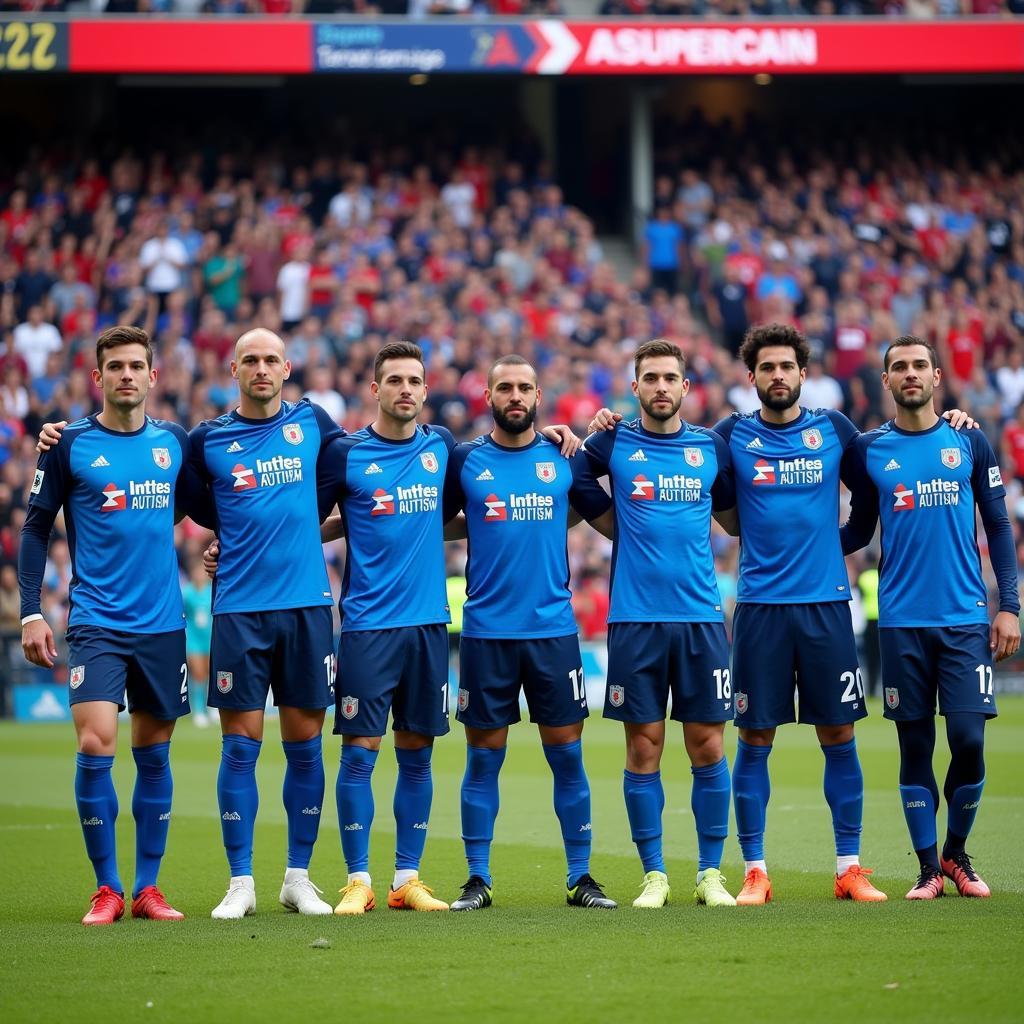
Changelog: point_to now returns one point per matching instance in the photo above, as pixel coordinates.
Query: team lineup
(274, 480)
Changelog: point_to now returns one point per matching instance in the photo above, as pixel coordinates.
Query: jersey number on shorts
(723, 683)
(579, 690)
(854, 686)
(331, 664)
(184, 683)
(984, 679)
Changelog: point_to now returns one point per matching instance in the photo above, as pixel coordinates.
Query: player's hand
(1004, 638)
(959, 420)
(210, 558)
(50, 436)
(604, 419)
(37, 643)
(563, 436)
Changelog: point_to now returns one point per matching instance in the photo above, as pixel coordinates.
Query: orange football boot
(756, 891)
(853, 884)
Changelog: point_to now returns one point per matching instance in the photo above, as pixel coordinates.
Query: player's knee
(966, 734)
(704, 746)
(834, 735)
(96, 742)
(643, 753)
(757, 737)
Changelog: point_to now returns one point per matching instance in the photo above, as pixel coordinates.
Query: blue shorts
(953, 661)
(147, 670)
(549, 670)
(649, 660)
(404, 671)
(289, 652)
(784, 649)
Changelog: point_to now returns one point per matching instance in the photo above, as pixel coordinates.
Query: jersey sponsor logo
(638, 456)
(383, 503)
(526, 507)
(225, 681)
(281, 469)
(764, 472)
(545, 472)
(496, 510)
(811, 438)
(162, 457)
(245, 479)
(292, 433)
(741, 703)
(694, 456)
(904, 499)
(77, 676)
(100, 462)
(233, 448)
(372, 469)
(486, 475)
(616, 696)
(643, 489)
(892, 697)
(37, 481)
(926, 494)
(756, 443)
(951, 457)
(114, 499)
(429, 461)
(679, 487)
(349, 707)
(463, 699)
(995, 478)
(891, 465)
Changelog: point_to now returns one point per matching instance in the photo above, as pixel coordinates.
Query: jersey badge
(616, 696)
(463, 699)
(995, 478)
(892, 698)
(37, 481)
(292, 433)
(162, 457)
(693, 456)
(546, 471)
(349, 707)
(951, 457)
(77, 676)
(225, 680)
(811, 438)
(429, 460)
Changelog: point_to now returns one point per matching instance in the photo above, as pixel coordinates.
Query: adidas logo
(354, 827)
(311, 810)
(231, 816)
(756, 443)
(585, 828)
(233, 447)
(421, 825)
(486, 475)
(371, 469)
(92, 821)
(893, 464)
(99, 462)
(638, 456)
(166, 816)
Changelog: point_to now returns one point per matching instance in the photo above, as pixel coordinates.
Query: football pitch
(805, 957)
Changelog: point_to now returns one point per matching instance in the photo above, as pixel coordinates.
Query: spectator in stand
(293, 288)
(35, 339)
(1013, 444)
(664, 240)
(164, 260)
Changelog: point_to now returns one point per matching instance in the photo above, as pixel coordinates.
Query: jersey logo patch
(764, 472)
(693, 456)
(463, 699)
(891, 464)
(643, 489)
(371, 469)
(486, 475)
(741, 703)
(245, 478)
(77, 676)
(234, 447)
(383, 503)
(904, 499)
(892, 697)
(496, 512)
(429, 460)
(292, 433)
(616, 696)
(349, 707)
(99, 462)
(546, 471)
(225, 681)
(811, 438)
(37, 481)
(995, 478)
(951, 457)
(756, 443)
(115, 500)
(162, 457)
(638, 456)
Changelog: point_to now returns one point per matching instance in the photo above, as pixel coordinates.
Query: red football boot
(107, 906)
(150, 904)
(963, 876)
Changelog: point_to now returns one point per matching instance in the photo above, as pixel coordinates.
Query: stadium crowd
(477, 254)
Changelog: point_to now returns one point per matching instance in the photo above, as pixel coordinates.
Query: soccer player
(925, 482)
(518, 493)
(119, 477)
(666, 630)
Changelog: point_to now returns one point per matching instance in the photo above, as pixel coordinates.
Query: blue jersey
(517, 503)
(118, 491)
(390, 497)
(664, 487)
(262, 477)
(927, 484)
(787, 494)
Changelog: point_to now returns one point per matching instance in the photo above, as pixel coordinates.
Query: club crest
(162, 457)
(892, 697)
(429, 460)
(951, 457)
(349, 707)
(292, 433)
(463, 699)
(616, 695)
(77, 676)
(694, 456)
(741, 702)
(546, 471)
(225, 681)
(811, 438)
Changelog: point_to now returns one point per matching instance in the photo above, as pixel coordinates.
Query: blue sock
(97, 810)
(303, 796)
(962, 807)
(572, 805)
(709, 801)
(414, 793)
(238, 800)
(919, 810)
(480, 807)
(751, 789)
(844, 793)
(151, 806)
(645, 800)
(355, 805)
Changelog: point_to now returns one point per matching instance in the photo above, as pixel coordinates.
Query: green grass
(804, 957)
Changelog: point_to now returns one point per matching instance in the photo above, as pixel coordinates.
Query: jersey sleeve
(52, 481)
(35, 537)
(192, 496)
(586, 495)
(446, 435)
(858, 530)
(329, 430)
(454, 496)
(723, 490)
(845, 430)
(598, 451)
(724, 428)
(986, 480)
(331, 468)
